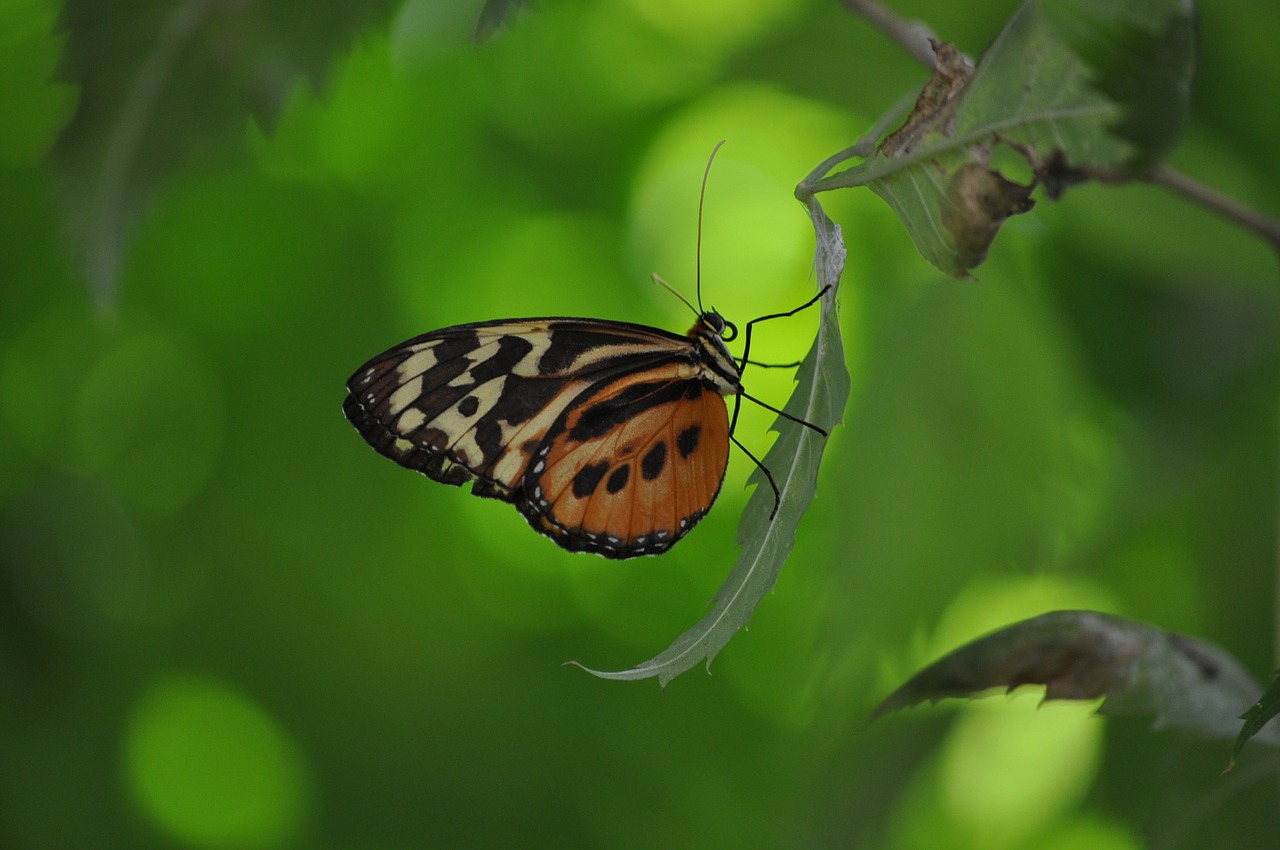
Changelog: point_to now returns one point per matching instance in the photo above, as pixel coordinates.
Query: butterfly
(608, 437)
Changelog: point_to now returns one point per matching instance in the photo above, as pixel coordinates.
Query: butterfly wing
(475, 402)
(632, 465)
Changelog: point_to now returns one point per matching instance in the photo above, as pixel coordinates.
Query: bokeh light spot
(43, 364)
(1010, 766)
(148, 419)
(986, 604)
(73, 557)
(727, 24)
(211, 768)
(757, 243)
(1089, 833)
(519, 266)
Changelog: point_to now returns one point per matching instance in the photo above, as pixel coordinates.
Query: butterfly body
(608, 437)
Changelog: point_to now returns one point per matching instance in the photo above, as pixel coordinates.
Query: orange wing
(631, 467)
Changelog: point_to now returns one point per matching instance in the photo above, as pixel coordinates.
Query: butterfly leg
(746, 345)
(746, 349)
(777, 496)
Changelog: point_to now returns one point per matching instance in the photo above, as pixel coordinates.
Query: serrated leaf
(1184, 682)
(1258, 716)
(822, 389)
(1071, 86)
(35, 107)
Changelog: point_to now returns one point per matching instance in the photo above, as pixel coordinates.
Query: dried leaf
(935, 108)
(978, 201)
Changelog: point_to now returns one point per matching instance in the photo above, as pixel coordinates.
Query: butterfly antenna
(702, 196)
(676, 293)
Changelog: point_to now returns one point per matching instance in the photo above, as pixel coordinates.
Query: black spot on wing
(654, 460)
(687, 440)
(469, 405)
(588, 479)
(599, 418)
(488, 436)
(618, 479)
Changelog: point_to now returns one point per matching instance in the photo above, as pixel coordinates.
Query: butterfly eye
(716, 323)
(730, 331)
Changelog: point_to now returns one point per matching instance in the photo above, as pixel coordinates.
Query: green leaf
(1257, 717)
(1073, 87)
(34, 106)
(821, 392)
(1186, 683)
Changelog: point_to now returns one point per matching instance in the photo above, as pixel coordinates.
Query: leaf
(35, 107)
(1257, 717)
(161, 83)
(821, 392)
(1186, 683)
(1072, 87)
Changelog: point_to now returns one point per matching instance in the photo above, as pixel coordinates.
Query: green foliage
(225, 622)
(28, 54)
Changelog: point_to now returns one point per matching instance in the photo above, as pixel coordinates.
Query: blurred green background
(226, 623)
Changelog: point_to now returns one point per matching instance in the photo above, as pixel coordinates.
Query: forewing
(473, 402)
(632, 465)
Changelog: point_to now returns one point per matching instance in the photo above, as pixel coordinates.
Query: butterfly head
(718, 325)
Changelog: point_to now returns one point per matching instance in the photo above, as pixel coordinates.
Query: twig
(912, 35)
(1211, 199)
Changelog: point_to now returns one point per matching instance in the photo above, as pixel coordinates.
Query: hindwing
(632, 465)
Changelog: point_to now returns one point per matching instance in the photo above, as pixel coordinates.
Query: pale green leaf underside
(1185, 683)
(821, 392)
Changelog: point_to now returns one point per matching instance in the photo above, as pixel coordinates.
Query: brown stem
(1211, 199)
(912, 35)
